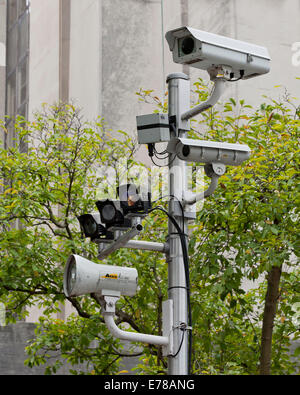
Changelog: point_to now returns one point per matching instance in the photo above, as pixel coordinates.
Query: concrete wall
(276, 25)
(85, 56)
(131, 58)
(116, 49)
(132, 54)
(13, 340)
(44, 53)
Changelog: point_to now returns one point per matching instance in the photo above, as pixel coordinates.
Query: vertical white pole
(179, 102)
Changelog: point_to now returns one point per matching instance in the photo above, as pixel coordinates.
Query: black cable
(187, 275)
(174, 197)
(160, 153)
(161, 157)
(167, 164)
(156, 163)
(152, 152)
(180, 345)
(242, 73)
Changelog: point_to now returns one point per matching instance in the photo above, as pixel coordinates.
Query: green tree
(250, 227)
(43, 191)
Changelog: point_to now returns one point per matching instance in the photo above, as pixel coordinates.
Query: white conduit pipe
(131, 336)
(217, 92)
(120, 242)
(199, 196)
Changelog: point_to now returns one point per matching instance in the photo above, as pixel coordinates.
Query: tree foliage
(248, 227)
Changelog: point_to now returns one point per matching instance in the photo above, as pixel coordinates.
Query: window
(17, 61)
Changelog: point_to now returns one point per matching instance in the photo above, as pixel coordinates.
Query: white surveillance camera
(208, 51)
(203, 151)
(82, 277)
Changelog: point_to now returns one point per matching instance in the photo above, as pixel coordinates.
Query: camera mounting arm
(218, 90)
(214, 171)
(108, 302)
(121, 241)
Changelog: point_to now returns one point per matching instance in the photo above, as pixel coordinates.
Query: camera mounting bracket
(213, 171)
(108, 309)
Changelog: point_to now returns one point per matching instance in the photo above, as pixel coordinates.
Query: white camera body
(82, 277)
(209, 51)
(203, 151)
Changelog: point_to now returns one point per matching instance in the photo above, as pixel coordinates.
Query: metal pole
(147, 245)
(179, 102)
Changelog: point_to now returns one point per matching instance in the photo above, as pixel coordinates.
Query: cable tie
(187, 288)
(179, 233)
(183, 327)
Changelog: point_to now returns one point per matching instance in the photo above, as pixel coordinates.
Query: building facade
(99, 53)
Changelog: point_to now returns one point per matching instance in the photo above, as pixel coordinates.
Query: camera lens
(108, 212)
(71, 279)
(90, 226)
(187, 45)
(186, 150)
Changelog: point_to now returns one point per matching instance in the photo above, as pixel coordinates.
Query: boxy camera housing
(208, 51)
(153, 128)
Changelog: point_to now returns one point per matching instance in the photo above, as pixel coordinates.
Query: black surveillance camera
(110, 213)
(91, 226)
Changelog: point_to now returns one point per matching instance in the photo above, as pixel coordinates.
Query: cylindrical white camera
(203, 151)
(84, 277)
